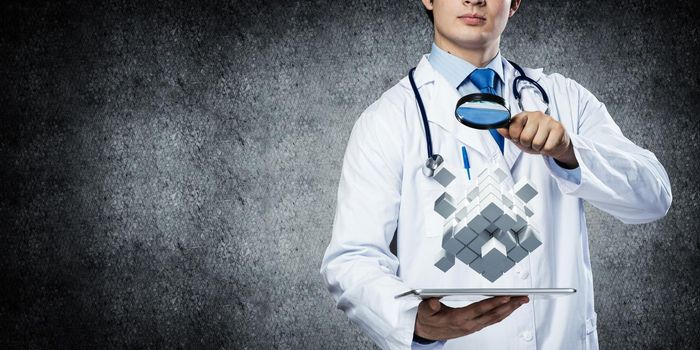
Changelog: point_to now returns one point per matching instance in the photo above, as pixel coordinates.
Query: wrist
(566, 165)
(567, 159)
(417, 338)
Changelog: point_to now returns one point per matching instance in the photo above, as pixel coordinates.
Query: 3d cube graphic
(464, 233)
(507, 238)
(446, 262)
(466, 255)
(517, 253)
(528, 239)
(481, 239)
(490, 229)
(443, 176)
(444, 205)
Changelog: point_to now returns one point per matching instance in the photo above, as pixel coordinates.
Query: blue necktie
(484, 79)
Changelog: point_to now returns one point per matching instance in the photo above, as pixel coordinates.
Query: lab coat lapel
(511, 152)
(442, 112)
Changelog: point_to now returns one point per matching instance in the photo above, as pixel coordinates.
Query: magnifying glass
(483, 111)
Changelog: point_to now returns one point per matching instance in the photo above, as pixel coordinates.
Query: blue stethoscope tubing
(516, 94)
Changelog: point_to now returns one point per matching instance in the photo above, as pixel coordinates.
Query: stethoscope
(435, 160)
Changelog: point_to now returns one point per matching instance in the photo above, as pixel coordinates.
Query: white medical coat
(382, 189)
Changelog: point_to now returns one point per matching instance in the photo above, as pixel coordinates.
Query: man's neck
(478, 56)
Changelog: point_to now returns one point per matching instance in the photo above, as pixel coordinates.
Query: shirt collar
(455, 69)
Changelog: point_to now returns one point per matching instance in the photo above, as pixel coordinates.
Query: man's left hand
(538, 133)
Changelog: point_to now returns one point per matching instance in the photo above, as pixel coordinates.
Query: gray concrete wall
(169, 169)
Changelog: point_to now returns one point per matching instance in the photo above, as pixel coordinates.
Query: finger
(504, 132)
(500, 313)
(555, 141)
(517, 123)
(434, 305)
(477, 309)
(540, 138)
(529, 132)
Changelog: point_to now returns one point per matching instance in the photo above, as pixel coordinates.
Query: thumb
(434, 305)
(504, 132)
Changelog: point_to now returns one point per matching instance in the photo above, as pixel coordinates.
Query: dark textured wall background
(169, 169)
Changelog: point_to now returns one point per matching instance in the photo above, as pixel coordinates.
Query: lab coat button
(526, 335)
(524, 275)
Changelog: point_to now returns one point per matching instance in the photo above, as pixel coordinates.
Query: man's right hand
(436, 321)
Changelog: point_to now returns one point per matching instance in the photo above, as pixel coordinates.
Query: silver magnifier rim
(481, 97)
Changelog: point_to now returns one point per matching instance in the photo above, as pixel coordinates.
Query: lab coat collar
(440, 103)
(456, 70)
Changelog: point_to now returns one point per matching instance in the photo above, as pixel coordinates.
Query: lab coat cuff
(570, 181)
(411, 317)
(409, 307)
(437, 345)
(570, 175)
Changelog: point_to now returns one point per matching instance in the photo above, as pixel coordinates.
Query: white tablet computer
(477, 293)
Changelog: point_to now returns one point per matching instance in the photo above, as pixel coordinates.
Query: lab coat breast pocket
(433, 221)
(428, 192)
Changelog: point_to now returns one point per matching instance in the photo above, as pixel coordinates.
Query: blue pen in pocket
(465, 159)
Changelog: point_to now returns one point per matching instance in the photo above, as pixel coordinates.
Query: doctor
(573, 153)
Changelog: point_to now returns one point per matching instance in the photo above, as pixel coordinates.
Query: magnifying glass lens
(483, 114)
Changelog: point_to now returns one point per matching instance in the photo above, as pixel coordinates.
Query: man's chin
(473, 41)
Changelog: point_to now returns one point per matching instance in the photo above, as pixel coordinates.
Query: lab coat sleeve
(358, 267)
(616, 175)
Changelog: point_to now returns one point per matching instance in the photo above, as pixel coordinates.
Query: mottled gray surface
(169, 169)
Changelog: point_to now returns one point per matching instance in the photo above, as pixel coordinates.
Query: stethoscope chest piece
(432, 164)
(435, 168)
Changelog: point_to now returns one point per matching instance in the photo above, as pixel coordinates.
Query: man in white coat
(572, 153)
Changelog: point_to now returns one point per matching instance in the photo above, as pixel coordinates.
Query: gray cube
(493, 267)
(444, 205)
(443, 176)
(464, 234)
(466, 255)
(475, 221)
(453, 246)
(507, 200)
(449, 243)
(524, 190)
(490, 208)
(520, 223)
(529, 239)
(446, 262)
(492, 276)
(506, 221)
(481, 239)
(462, 209)
(478, 265)
(500, 174)
(528, 212)
(473, 194)
(517, 253)
(507, 238)
(493, 259)
(492, 228)
(507, 264)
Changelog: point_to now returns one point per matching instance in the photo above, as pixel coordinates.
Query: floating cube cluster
(488, 229)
